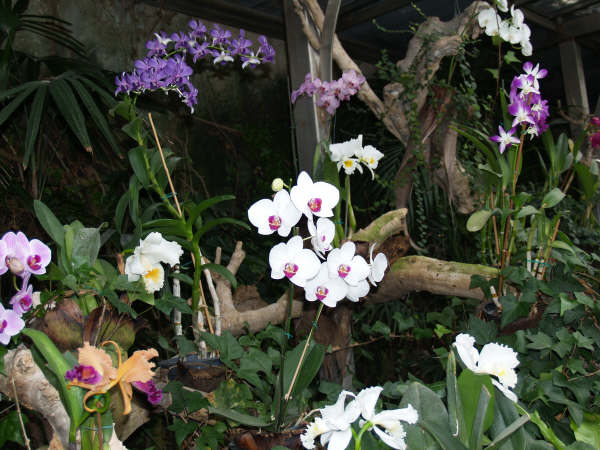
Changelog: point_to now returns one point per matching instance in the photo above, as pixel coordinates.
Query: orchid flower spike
(318, 198)
(494, 359)
(277, 215)
(393, 433)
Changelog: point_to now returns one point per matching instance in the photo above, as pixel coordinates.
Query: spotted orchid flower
(324, 288)
(312, 198)
(96, 373)
(294, 262)
(386, 424)
(10, 324)
(334, 425)
(377, 265)
(505, 138)
(321, 235)
(494, 359)
(277, 215)
(146, 259)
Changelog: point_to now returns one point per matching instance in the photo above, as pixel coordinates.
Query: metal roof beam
(369, 12)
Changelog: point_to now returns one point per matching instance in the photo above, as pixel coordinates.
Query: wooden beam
(535, 18)
(590, 23)
(574, 83)
(572, 8)
(370, 11)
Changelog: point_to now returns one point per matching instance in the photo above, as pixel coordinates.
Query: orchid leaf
(33, 124)
(49, 222)
(476, 440)
(221, 270)
(205, 204)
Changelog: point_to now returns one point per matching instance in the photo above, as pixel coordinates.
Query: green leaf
(540, 341)
(510, 57)
(456, 417)
(216, 222)
(49, 222)
(182, 430)
(175, 227)
(244, 419)
(506, 430)
(185, 346)
(469, 386)
(33, 123)
(494, 72)
(69, 108)
(588, 431)
(3, 351)
(478, 220)
(513, 309)
(138, 163)
(30, 85)
(221, 270)
(86, 245)
(527, 210)
(205, 204)
(166, 303)
(10, 428)
(552, 198)
(226, 344)
(252, 362)
(476, 439)
(120, 211)
(6, 112)
(72, 398)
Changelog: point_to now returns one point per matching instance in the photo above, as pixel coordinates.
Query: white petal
(259, 213)
(358, 291)
(154, 278)
(378, 268)
(506, 391)
(330, 196)
(278, 257)
(367, 399)
(359, 271)
(395, 441)
(155, 248)
(469, 355)
(308, 266)
(408, 415)
(340, 439)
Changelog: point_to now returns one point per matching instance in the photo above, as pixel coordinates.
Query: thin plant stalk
(21, 424)
(346, 219)
(288, 327)
(176, 312)
(308, 341)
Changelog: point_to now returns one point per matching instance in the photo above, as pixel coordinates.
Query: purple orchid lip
(314, 204)
(290, 269)
(322, 292)
(34, 261)
(83, 374)
(274, 222)
(344, 270)
(3, 325)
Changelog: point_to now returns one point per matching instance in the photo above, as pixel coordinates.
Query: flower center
(3, 325)
(322, 292)
(33, 261)
(25, 303)
(315, 204)
(153, 275)
(348, 163)
(274, 222)
(14, 264)
(343, 270)
(290, 270)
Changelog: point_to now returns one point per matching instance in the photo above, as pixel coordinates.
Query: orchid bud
(15, 265)
(277, 184)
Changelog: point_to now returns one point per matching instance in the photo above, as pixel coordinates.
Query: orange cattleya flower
(96, 373)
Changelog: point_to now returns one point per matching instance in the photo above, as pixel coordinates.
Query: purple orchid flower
(534, 73)
(521, 112)
(154, 394)
(198, 29)
(505, 138)
(21, 256)
(83, 374)
(10, 324)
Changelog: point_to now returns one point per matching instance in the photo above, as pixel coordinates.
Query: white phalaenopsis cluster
(513, 29)
(494, 359)
(147, 258)
(335, 424)
(342, 274)
(350, 154)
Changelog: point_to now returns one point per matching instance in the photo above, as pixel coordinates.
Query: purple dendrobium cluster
(83, 374)
(526, 104)
(154, 394)
(22, 257)
(330, 93)
(165, 67)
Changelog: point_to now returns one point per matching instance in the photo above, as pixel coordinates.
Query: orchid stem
(347, 188)
(358, 439)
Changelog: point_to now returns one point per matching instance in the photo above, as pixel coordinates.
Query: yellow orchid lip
(136, 368)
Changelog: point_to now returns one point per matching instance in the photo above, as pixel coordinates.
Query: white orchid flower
(370, 156)
(345, 150)
(277, 215)
(494, 359)
(502, 5)
(378, 266)
(355, 293)
(334, 425)
(350, 165)
(146, 259)
(223, 57)
(327, 290)
(343, 262)
(489, 20)
(393, 433)
(314, 198)
(526, 48)
(321, 235)
(518, 18)
(294, 262)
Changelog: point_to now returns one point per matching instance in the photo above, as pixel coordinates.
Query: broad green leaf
(138, 163)
(216, 222)
(174, 227)
(456, 417)
(527, 210)
(182, 430)
(166, 303)
(33, 123)
(552, 198)
(478, 220)
(589, 430)
(49, 222)
(205, 204)
(30, 85)
(120, 211)
(86, 245)
(477, 430)
(563, 246)
(10, 428)
(221, 270)
(244, 419)
(310, 367)
(469, 387)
